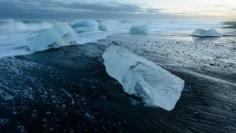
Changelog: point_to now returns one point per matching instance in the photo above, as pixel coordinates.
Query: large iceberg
(143, 78)
(138, 29)
(206, 33)
(57, 36)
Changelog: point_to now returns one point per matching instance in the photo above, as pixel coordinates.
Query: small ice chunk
(57, 36)
(6, 93)
(3, 122)
(143, 78)
(206, 33)
(138, 29)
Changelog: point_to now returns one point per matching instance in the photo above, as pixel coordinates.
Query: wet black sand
(68, 90)
(232, 24)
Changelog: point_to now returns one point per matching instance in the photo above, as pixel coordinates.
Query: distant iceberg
(57, 36)
(102, 26)
(138, 29)
(85, 26)
(82, 26)
(206, 33)
(124, 21)
(143, 78)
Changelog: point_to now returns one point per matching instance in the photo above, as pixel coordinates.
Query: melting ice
(143, 78)
(138, 29)
(57, 36)
(206, 33)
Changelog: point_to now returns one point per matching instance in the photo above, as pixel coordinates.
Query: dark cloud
(114, 7)
(52, 9)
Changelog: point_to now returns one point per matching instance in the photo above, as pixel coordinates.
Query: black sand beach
(68, 90)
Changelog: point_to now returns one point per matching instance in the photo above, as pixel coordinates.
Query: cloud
(71, 9)
(113, 7)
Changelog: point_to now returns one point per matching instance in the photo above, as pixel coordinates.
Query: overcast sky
(116, 8)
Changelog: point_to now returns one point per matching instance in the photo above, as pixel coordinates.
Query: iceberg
(206, 33)
(57, 36)
(138, 29)
(102, 26)
(143, 78)
(85, 26)
(89, 26)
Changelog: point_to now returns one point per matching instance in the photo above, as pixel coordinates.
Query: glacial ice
(57, 36)
(206, 33)
(85, 26)
(143, 78)
(82, 26)
(102, 26)
(138, 29)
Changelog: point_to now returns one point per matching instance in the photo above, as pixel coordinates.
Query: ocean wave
(14, 26)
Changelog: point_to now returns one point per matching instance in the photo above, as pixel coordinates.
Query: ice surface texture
(206, 33)
(85, 26)
(143, 78)
(57, 36)
(102, 26)
(138, 29)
